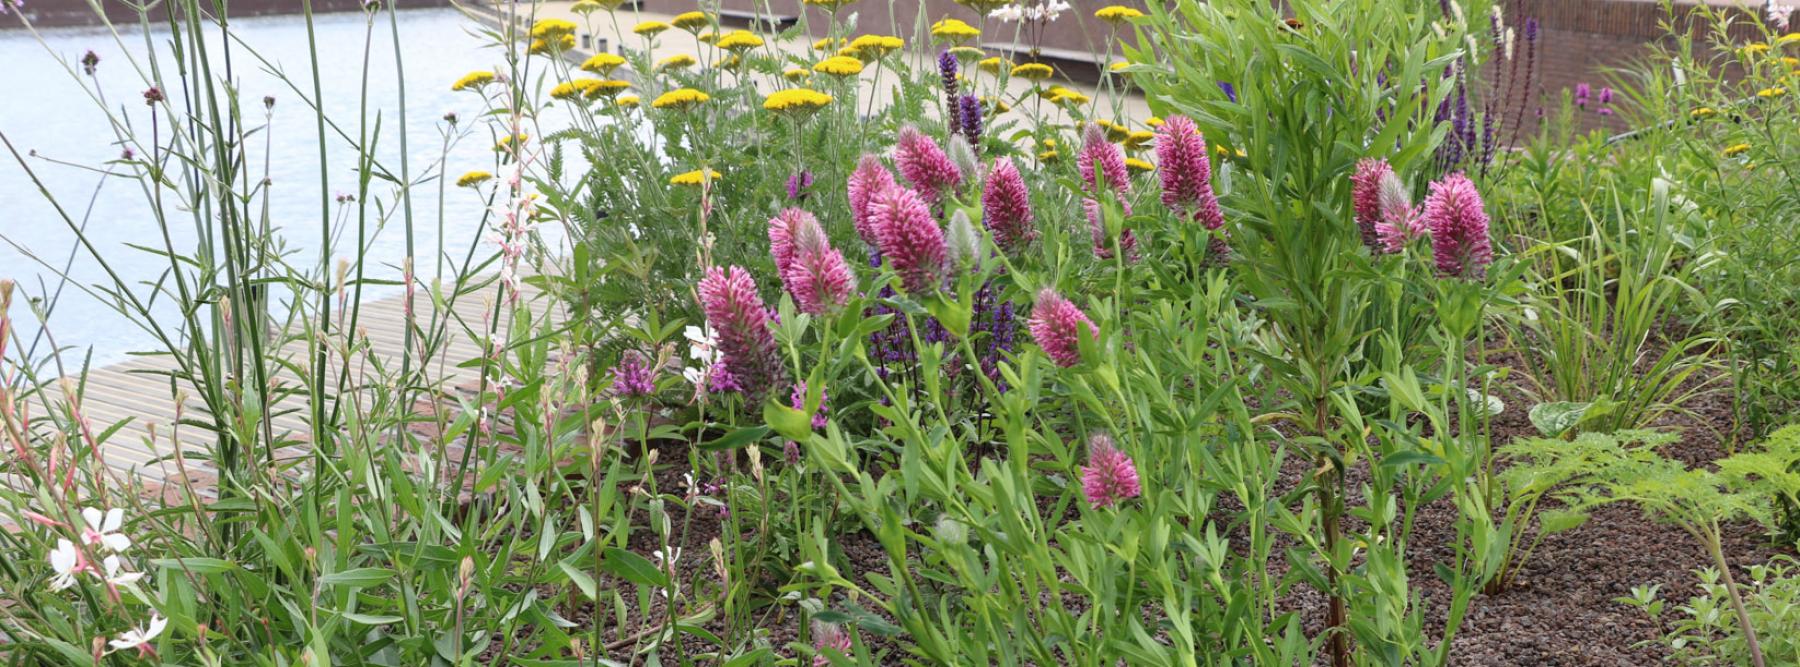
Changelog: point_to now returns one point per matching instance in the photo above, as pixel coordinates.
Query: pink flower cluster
(869, 179)
(925, 165)
(1459, 228)
(1006, 207)
(909, 238)
(1110, 476)
(1056, 325)
(812, 271)
(1186, 172)
(1101, 159)
(747, 349)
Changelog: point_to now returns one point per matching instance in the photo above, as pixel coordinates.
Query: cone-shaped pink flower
(1365, 197)
(1400, 220)
(1006, 207)
(1110, 475)
(814, 272)
(925, 165)
(1459, 228)
(909, 238)
(827, 636)
(1187, 172)
(1056, 325)
(1099, 155)
(871, 177)
(747, 348)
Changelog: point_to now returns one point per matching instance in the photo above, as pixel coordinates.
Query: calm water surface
(48, 112)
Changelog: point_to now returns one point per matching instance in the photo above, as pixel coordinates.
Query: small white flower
(667, 558)
(1008, 13)
(140, 639)
(1779, 13)
(103, 528)
(115, 573)
(66, 562)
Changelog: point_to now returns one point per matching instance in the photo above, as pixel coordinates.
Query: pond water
(50, 114)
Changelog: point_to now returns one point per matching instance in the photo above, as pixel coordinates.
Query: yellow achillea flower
(691, 21)
(1117, 13)
(732, 63)
(1771, 93)
(682, 98)
(992, 65)
(1790, 38)
(473, 80)
(1735, 150)
(1066, 96)
(839, 66)
(585, 7)
(796, 73)
(1033, 71)
(1114, 132)
(473, 179)
(602, 63)
(695, 177)
(565, 90)
(1047, 156)
(967, 52)
(1790, 61)
(1154, 121)
(650, 28)
(740, 39)
(1138, 166)
(1754, 49)
(552, 29)
(628, 101)
(1702, 112)
(995, 105)
(507, 143)
(954, 30)
(607, 88)
(875, 46)
(676, 61)
(543, 46)
(1139, 138)
(801, 100)
(707, 37)
(826, 45)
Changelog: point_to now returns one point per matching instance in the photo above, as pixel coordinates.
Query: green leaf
(366, 619)
(1552, 521)
(632, 567)
(198, 565)
(738, 439)
(1555, 419)
(362, 577)
(790, 423)
(582, 580)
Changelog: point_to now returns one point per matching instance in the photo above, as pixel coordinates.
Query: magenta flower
(1056, 325)
(1365, 197)
(812, 271)
(1400, 220)
(1110, 475)
(1099, 155)
(748, 352)
(828, 636)
(869, 179)
(909, 238)
(1187, 172)
(1459, 228)
(631, 378)
(925, 165)
(1006, 207)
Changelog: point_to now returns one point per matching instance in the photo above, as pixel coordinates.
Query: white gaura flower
(140, 639)
(115, 574)
(102, 528)
(703, 347)
(1011, 13)
(66, 561)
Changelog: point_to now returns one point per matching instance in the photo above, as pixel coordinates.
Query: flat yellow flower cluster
(680, 98)
(1117, 13)
(676, 61)
(739, 40)
(1735, 150)
(872, 47)
(508, 143)
(993, 65)
(695, 177)
(550, 44)
(1138, 166)
(1033, 71)
(473, 80)
(552, 29)
(954, 30)
(796, 100)
(691, 21)
(602, 63)
(628, 101)
(650, 28)
(839, 66)
(473, 179)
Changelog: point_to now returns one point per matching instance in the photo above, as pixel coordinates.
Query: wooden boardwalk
(141, 395)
